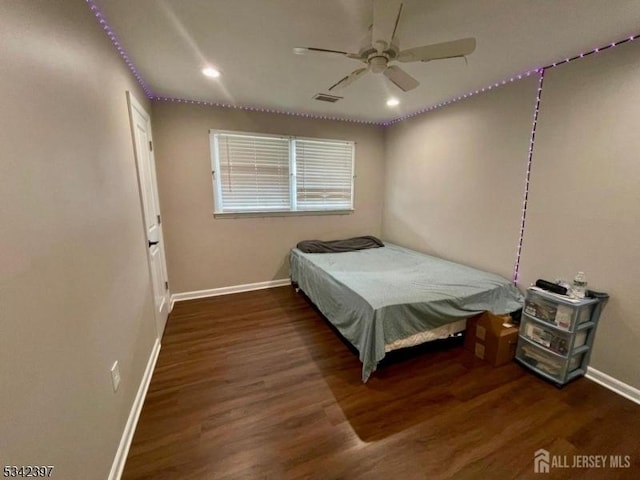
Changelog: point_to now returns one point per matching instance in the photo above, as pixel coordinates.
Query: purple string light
(532, 139)
(516, 271)
(114, 39)
(250, 108)
(116, 43)
(541, 72)
(464, 96)
(102, 21)
(510, 80)
(591, 52)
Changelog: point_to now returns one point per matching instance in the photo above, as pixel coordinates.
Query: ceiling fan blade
(400, 78)
(323, 51)
(437, 51)
(349, 79)
(395, 26)
(386, 14)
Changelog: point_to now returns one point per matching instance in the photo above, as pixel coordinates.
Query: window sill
(299, 213)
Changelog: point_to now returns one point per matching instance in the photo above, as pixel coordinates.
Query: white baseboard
(214, 292)
(127, 435)
(613, 384)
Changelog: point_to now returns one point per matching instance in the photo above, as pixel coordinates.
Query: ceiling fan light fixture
(393, 102)
(383, 48)
(210, 72)
(378, 63)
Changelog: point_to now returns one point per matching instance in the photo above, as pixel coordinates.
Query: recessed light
(392, 102)
(210, 72)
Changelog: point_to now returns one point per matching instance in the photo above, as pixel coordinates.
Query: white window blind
(256, 173)
(324, 174)
(253, 172)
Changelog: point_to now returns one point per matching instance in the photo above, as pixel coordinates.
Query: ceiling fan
(381, 49)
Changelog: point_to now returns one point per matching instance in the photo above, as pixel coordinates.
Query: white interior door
(146, 166)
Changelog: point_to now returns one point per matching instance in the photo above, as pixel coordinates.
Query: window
(251, 173)
(255, 173)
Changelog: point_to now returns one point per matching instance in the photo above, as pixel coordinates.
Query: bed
(390, 297)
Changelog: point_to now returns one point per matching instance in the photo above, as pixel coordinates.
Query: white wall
(75, 292)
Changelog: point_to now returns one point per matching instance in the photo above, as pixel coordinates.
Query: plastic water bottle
(579, 287)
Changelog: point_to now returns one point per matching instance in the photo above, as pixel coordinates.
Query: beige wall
(584, 210)
(455, 178)
(74, 284)
(454, 185)
(205, 253)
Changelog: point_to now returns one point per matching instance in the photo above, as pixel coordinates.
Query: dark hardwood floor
(257, 385)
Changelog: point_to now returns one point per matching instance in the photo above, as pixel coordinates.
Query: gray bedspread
(377, 296)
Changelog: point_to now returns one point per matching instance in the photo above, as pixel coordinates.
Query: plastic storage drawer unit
(557, 332)
(564, 316)
(553, 338)
(548, 363)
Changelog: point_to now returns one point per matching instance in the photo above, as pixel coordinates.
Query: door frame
(133, 103)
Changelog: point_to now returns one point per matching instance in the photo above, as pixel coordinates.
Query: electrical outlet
(115, 376)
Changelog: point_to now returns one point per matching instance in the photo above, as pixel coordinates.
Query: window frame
(292, 211)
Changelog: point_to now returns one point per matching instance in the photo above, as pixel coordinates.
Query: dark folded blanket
(338, 246)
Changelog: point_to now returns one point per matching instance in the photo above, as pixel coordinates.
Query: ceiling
(251, 42)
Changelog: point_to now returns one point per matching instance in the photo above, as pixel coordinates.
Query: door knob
(151, 244)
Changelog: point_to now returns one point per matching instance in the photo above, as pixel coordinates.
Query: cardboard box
(488, 339)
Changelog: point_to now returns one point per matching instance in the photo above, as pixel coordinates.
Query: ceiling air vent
(323, 97)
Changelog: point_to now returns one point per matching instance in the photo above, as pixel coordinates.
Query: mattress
(381, 297)
(445, 331)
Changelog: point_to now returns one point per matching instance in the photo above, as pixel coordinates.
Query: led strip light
(532, 139)
(540, 71)
(267, 110)
(387, 123)
(511, 79)
(516, 271)
(114, 39)
(116, 43)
